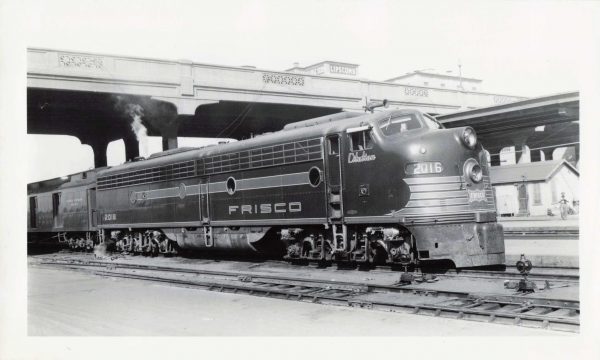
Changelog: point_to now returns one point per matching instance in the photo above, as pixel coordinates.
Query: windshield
(431, 122)
(399, 124)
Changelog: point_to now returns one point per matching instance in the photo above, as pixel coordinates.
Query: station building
(438, 80)
(531, 189)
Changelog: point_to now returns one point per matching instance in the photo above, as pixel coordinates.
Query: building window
(443, 85)
(426, 83)
(554, 191)
(474, 88)
(537, 194)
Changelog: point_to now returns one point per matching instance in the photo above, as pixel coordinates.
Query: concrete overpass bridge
(95, 97)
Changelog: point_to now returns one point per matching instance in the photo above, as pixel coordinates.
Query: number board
(421, 168)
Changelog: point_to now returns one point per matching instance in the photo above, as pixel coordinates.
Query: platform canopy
(542, 124)
(530, 113)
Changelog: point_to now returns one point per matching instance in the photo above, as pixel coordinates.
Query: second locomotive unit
(393, 187)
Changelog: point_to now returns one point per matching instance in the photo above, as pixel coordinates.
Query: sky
(527, 48)
(524, 48)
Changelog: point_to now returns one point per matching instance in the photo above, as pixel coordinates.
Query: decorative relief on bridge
(501, 99)
(81, 61)
(281, 79)
(411, 91)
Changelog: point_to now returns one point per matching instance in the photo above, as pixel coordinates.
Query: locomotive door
(56, 216)
(92, 213)
(334, 178)
(523, 199)
(204, 206)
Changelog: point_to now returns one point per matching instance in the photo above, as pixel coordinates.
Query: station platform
(556, 246)
(534, 223)
(543, 253)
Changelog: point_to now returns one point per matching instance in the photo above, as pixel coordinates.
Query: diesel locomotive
(390, 187)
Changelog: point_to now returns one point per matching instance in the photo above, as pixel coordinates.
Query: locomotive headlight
(474, 171)
(469, 138)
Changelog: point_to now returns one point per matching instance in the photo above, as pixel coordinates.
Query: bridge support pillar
(169, 143)
(494, 155)
(169, 135)
(168, 123)
(519, 151)
(99, 149)
(132, 147)
(99, 146)
(536, 155)
(548, 153)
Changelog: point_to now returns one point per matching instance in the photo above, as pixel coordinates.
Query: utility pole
(460, 75)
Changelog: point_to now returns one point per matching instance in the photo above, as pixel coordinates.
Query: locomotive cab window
(361, 140)
(431, 122)
(399, 124)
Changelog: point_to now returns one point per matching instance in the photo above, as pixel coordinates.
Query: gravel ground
(66, 303)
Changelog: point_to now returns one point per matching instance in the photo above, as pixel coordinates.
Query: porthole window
(314, 176)
(231, 186)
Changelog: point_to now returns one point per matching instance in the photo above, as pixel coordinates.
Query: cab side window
(361, 140)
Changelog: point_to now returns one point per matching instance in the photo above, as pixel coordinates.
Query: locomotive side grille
(290, 153)
(176, 171)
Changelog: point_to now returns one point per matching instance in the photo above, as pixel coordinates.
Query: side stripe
(264, 182)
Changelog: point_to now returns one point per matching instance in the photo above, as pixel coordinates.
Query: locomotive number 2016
(421, 168)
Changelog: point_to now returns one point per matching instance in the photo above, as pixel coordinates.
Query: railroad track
(521, 310)
(566, 276)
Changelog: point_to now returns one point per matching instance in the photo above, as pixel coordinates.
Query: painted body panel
(275, 193)
(156, 203)
(63, 206)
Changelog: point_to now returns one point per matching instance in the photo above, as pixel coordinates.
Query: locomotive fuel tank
(230, 240)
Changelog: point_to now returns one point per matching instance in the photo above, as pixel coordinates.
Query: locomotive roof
(83, 178)
(303, 130)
